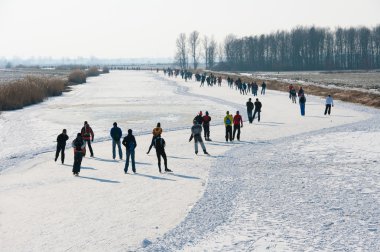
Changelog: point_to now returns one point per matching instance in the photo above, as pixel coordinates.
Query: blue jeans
(114, 143)
(130, 153)
(302, 107)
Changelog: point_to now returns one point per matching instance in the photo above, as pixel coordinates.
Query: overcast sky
(149, 28)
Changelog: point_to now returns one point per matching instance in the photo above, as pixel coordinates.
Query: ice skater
(250, 107)
(130, 145)
(88, 136)
(329, 104)
(61, 145)
(79, 146)
(228, 119)
(156, 132)
(196, 133)
(238, 123)
(302, 102)
(116, 134)
(159, 145)
(206, 126)
(258, 106)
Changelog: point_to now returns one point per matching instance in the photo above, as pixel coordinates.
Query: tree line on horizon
(302, 48)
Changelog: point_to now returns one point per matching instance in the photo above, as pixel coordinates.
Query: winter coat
(302, 99)
(206, 120)
(79, 145)
(157, 131)
(196, 131)
(61, 139)
(329, 101)
(228, 118)
(129, 142)
(249, 106)
(238, 119)
(87, 133)
(198, 119)
(258, 106)
(159, 144)
(116, 133)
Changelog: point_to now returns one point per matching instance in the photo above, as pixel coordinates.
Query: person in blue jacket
(116, 135)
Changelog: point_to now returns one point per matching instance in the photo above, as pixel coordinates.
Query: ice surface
(292, 184)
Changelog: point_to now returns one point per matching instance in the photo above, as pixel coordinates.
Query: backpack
(78, 144)
(228, 121)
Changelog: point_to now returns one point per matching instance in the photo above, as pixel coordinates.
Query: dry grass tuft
(106, 70)
(93, 71)
(29, 90)
(77, 76)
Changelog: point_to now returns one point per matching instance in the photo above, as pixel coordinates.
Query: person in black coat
(130, 145)
(159, 145)
(249, 110)
(258, 106)
(79, 146)
(61, 144)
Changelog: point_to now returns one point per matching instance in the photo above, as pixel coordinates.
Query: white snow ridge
(291, 184)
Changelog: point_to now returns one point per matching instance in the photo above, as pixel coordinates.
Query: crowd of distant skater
(201, 123)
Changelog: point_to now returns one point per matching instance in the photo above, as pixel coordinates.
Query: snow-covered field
(292, 184)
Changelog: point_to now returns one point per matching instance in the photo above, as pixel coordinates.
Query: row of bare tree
(303, 48)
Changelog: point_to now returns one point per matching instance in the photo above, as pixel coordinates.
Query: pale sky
(149, 28)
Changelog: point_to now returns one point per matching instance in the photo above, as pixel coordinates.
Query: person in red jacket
(88, 136)
(238, 123)
(206, 126)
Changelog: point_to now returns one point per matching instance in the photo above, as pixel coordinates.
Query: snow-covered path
(315, 192)
(292, 184)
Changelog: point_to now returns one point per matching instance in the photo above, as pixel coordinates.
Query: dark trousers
(89, 147)
(328, 109)
(60, 148)
(302, 107)
(130, 153)
(206, 129)
(228, 133)
(236, 128)
(163, 154)
(78, 156)
(250, 117)
(258, 115)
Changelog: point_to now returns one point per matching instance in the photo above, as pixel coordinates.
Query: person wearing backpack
(130, 145)
(206, 126)
(196, 133)
(258, 106)
(61, 144)
(159, 145)
(238, 123)
(79, 146)
(228, 124)
(156, 132)
(302, 102)
(116, 135)
(250, 106)
(88, 136)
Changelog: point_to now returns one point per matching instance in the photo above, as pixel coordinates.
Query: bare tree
(212, 50)
(205, 48)
(194, 50)
(181, 54)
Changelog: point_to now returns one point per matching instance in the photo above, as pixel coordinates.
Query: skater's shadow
(100, 180)
(183, 176)
(105, 160)
(218, 143)
(153, 177)
(88, 168)
(142, 163)
(179, 157)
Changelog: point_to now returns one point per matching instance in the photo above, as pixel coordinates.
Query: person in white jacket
(329, 104)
